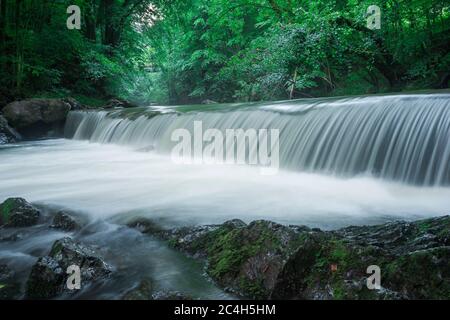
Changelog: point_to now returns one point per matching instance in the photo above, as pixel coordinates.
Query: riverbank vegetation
(192, 51)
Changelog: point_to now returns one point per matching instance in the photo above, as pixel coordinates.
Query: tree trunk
(291, 94)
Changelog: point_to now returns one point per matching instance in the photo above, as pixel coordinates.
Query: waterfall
(403, 138)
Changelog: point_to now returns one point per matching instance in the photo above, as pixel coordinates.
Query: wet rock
(11, 237)
(7, 134)
(9, 287)
(48, 276)
(118, 103)
(64, 221)
(268, 260)
(143, 291)
(170, 295)
(245, 259)
(413, 259)
(17, 212)
(35, 118)
(422, 274)
(74, 104)
(145, 225)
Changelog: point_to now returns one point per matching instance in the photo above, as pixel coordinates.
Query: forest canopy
(189, 51)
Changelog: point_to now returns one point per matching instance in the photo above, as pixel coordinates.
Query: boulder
(143, 291)
(118, 103)
(145, 225)
(64, 221)
(266, 260)
(170, 295)
(74, 104)
(7, 134)
(35, 118)
(48, 276)
(9, 287)
(17, 212)
(244, 259)
(413, 258)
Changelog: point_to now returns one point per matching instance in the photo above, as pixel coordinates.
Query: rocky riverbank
(259, 260)
(42, 118)
(266, 260)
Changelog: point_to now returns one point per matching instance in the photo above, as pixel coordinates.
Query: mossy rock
(17, 212)
(48, 276)
(10, 288)
(268, 260)
(423, 274)
(143, 291)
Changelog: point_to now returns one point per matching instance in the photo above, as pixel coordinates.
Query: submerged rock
(245, 259)
(7, 134)
(170, 295)
(35, 118)
(48, 276)
(118, 103)
(9, 287)
(64, 221)
(143, 291)
(145, 225)
(267, 260)
(17, 212)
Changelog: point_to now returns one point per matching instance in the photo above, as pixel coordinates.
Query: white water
(107, 181)
(348, 161)
(401, 138)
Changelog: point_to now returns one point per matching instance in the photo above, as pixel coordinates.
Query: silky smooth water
(402, 138)
(116, 182)
(343, 162)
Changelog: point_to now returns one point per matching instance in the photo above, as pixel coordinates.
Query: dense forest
(189, 51)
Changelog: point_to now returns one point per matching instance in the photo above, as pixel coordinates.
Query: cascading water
(348, 161)
(403, 138)
(402, 141)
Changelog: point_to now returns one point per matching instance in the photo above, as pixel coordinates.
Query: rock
(9, 95)
(74, 104)
(266, 260)
(9, 287)
(35, 118)
(143, 291)
(245, 259)
(413, 259)
(7, 134)
(64, 221)
(48, 276)
(118, 103)
(145, 225)
(17, 212)
(170, 295)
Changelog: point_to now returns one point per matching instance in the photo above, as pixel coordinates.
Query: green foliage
(263, 50)
(187, 51)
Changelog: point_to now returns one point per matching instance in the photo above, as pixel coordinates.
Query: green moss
(253, 289)
(5, 210)
(427, 270)
(348, 260)
(423, 226)
(172, 243)
(228, 249)
(57, 247)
